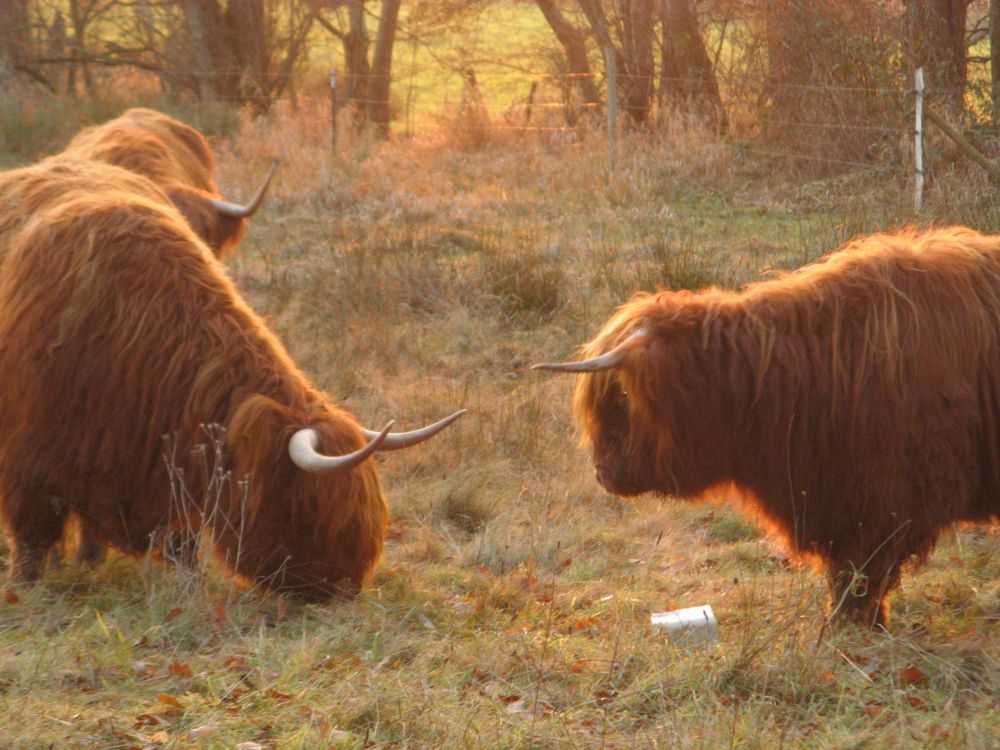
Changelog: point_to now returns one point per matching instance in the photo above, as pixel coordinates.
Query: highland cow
(177, 158)
(851, 407)
(120, 330)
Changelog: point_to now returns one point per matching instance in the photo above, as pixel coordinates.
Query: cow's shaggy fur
(121, 337)
(852, 407)
(175, 156)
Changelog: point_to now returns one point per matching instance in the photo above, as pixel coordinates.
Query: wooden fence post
(609, 61)
(333, 110)
(918, 143)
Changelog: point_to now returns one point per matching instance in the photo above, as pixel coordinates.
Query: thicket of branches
(757, 68)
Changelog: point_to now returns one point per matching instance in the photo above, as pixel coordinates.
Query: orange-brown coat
(176, 157)
(852, 407)
(120, 334)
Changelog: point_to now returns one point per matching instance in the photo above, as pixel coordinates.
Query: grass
(512, 606)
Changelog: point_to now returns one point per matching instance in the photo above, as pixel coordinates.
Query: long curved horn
(396, 440)
(595, 364)
(235, 210)
(303, 449)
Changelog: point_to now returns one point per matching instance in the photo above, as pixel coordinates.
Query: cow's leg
(90, 550)
(858, 588)
(34, 524)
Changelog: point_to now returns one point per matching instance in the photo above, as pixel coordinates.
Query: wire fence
(823, 127)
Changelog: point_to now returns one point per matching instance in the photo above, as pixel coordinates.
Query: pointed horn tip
(240, 211)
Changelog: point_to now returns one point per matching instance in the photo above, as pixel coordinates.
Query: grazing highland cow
(120, 332)
(177, 158)
(852, 407)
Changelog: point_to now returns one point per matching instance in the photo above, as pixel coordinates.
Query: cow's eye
(625, 393)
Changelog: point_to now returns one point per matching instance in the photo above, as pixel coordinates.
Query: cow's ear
(228, 233)
(199, 213)
(259, 428)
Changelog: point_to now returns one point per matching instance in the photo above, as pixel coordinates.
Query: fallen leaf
(150, 720)
(517, 707)
(584, 623)
(605, 696)
(142, 667)
(203, 731)
(161, 738)
(914, 701)
(169, 700)
(912, 675)
(180, 670)
(280, 697)
(173, 614)
(10, 596)
(873, 708)
(237, 663)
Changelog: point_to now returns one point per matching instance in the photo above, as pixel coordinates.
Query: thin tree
(381, 74)
(935, 36)
(687, 80)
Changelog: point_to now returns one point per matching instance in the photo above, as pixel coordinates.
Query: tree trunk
(686, 76)
(15, 35)
(634, 57)
(381, 74)
(202, 18)
(246, 24)
(575, 48)
(637, 47)
(356, 44)
(936, 42)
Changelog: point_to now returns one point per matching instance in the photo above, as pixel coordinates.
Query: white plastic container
(693, 625)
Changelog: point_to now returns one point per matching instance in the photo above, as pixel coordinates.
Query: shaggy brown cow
(118, 327)
(178, 159)
(852, 407)
(26, 191)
